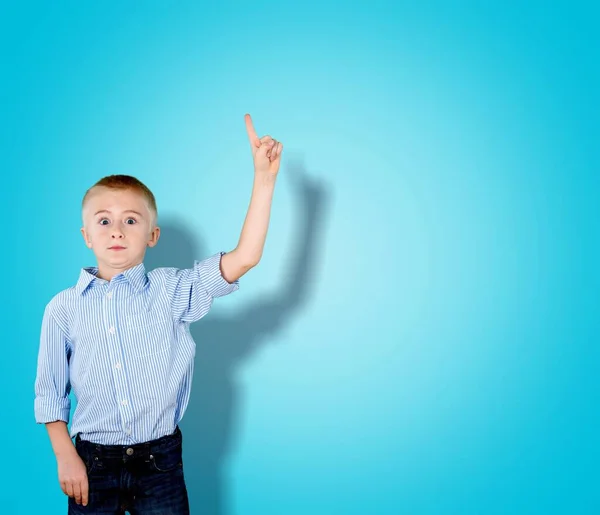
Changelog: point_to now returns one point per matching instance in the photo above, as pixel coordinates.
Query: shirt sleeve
(52, 384)
(192, 290)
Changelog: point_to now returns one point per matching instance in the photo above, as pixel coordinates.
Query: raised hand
(266, 151)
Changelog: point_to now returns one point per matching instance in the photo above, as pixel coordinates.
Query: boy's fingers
(252, 136)
(276, 151)
(69, 489)
(262, 151)
(84, 491)
(77, 493)
(267, 147)
(63, 487)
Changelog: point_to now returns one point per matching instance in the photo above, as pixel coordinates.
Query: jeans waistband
(134, 450)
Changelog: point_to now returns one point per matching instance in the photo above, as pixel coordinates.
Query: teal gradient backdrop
(421, 336)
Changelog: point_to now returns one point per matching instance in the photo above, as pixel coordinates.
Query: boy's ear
(154, 235)
(85, 238)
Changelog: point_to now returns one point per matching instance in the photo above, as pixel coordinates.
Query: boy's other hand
(266, 151)
(72, 476)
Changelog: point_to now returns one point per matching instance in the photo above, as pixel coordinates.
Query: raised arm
(266, 154)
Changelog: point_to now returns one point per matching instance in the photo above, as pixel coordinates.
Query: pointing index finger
(252, 136)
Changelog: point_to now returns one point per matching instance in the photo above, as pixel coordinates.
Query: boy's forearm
(254, 231)
(62, 445)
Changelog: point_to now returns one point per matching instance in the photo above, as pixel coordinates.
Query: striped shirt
(123, 347)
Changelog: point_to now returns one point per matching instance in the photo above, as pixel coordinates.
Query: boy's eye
(103, 221)
(131, 221)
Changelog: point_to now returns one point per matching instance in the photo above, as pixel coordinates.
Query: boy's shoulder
(61, 302)
(68, 297)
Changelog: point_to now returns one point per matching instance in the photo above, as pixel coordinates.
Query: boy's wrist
(264, 178)
(66, 454)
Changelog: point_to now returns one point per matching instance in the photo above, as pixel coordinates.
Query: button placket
(114, 345)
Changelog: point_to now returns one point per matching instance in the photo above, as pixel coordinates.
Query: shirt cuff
(209, 272)
(52, 411)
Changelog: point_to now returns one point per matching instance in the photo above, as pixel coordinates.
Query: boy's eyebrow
(127, 211)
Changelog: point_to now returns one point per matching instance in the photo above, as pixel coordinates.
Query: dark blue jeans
(142, 479)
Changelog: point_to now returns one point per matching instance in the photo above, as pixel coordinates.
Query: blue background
(421, 335)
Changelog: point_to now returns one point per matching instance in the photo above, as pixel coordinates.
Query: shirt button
(109, 295)
(111, 330)
(124, 402)
(118, 366)
(128, 430)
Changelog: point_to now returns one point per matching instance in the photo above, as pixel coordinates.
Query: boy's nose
(117, 234)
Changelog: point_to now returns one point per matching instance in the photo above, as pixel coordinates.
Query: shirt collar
(136, 276)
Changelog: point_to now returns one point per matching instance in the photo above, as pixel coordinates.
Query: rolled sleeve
(52, 385)
(192, 290)
(209, 272)
(53, 409)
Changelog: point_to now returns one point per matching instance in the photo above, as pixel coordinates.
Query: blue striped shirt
(123, 347)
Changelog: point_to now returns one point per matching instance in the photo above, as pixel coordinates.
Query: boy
(120, 340)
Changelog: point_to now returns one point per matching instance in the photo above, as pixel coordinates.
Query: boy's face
(118, 227)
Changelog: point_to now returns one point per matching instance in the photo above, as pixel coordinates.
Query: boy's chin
(120, 259)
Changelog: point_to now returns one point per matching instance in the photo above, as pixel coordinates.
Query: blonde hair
(125, 182)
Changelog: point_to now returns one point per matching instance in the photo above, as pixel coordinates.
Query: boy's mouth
(116, 247)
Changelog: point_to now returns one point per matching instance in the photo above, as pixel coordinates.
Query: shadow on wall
(222, 343)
